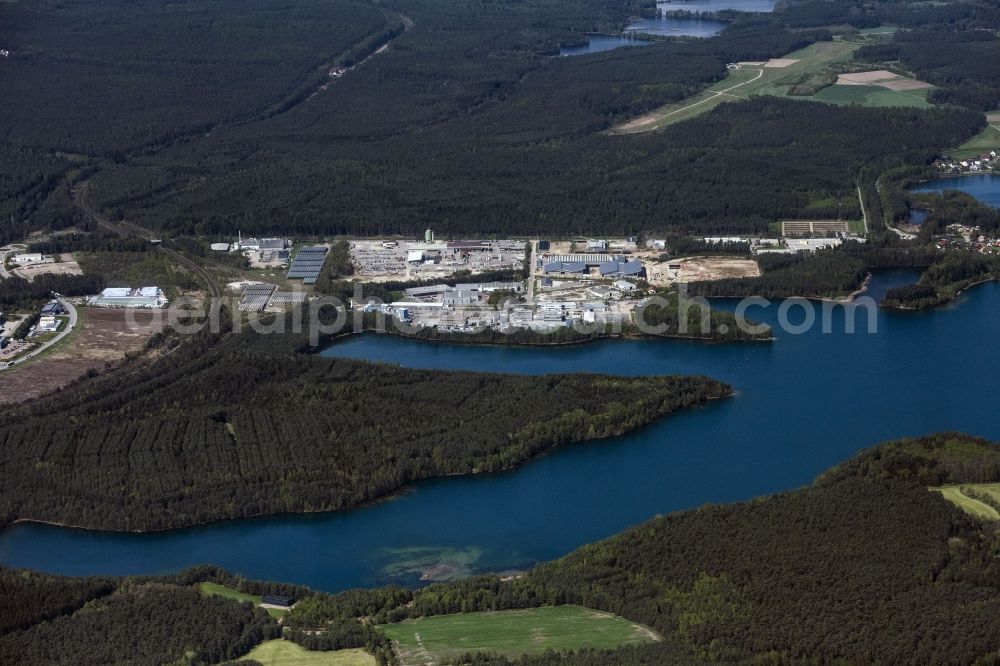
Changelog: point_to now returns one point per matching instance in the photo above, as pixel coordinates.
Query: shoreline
(404, 488)
(949, 302)
(567, 343)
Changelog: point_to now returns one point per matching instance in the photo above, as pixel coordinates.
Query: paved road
(73, 319)
(9, 250)
(650, 125)
(532, 269)
(864, 213)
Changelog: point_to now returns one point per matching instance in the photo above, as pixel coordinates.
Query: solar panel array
(255, 297)
(308, 264)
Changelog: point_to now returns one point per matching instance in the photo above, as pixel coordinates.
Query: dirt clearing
(102, 336)
(65, 266)
(779, 63)
(701, 269)
(882, 78)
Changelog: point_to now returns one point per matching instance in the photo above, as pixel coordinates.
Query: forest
(456, 126)
(248, 425)
(18, 294)
(944, 280)
(100, 621)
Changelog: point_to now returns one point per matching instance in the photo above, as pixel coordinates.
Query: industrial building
(460, 297)
(47, 324)
(430, 291)
(565, 267)
(126, 297)
(263, 244)
(463, 293)
(31, 258)
(53, 308)
(621, 267)
(589, 259)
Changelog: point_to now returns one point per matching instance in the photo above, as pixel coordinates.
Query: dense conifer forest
(455, 126)
(248, 426)
(97, 622)
(944, 279)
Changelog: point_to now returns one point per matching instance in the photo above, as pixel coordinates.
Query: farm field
(813, 67)
(216, 590)
(431, 639)
(280, 652)
(984, 142)
(872, 95)
(964, 497)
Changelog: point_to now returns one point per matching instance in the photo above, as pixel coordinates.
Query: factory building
(620, 267)
(430, 291)
(31, 258)
(126, 297)
(565, 267)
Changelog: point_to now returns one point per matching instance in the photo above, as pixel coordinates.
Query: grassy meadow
(535, 630)
(285, 653)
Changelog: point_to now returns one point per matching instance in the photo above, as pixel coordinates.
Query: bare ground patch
(882, 78)
(702, 269)
(103, 336)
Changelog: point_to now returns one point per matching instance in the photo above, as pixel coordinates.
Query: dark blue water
(918, 216)
(760, 6)
(985, 187)
(676, 26)
(691, 27)
(599, 43)
(805, 402)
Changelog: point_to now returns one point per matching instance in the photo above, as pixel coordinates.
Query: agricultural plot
(810, 74)
(432, 639)
(872, 96)
(216, 590)
(984, 142)
(285, 653)
(976, 499)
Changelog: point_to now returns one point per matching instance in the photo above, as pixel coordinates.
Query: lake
(668, 25)
(695, 27)
(599, 43)
(804, 403)
(985, 187)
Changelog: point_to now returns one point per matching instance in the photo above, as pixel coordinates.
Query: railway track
(130, 229)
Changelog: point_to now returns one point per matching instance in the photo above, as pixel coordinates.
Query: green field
(559, 628)
(216, 590)
(875, 96)
(984, 142)
(285, 653)
(971, 505)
